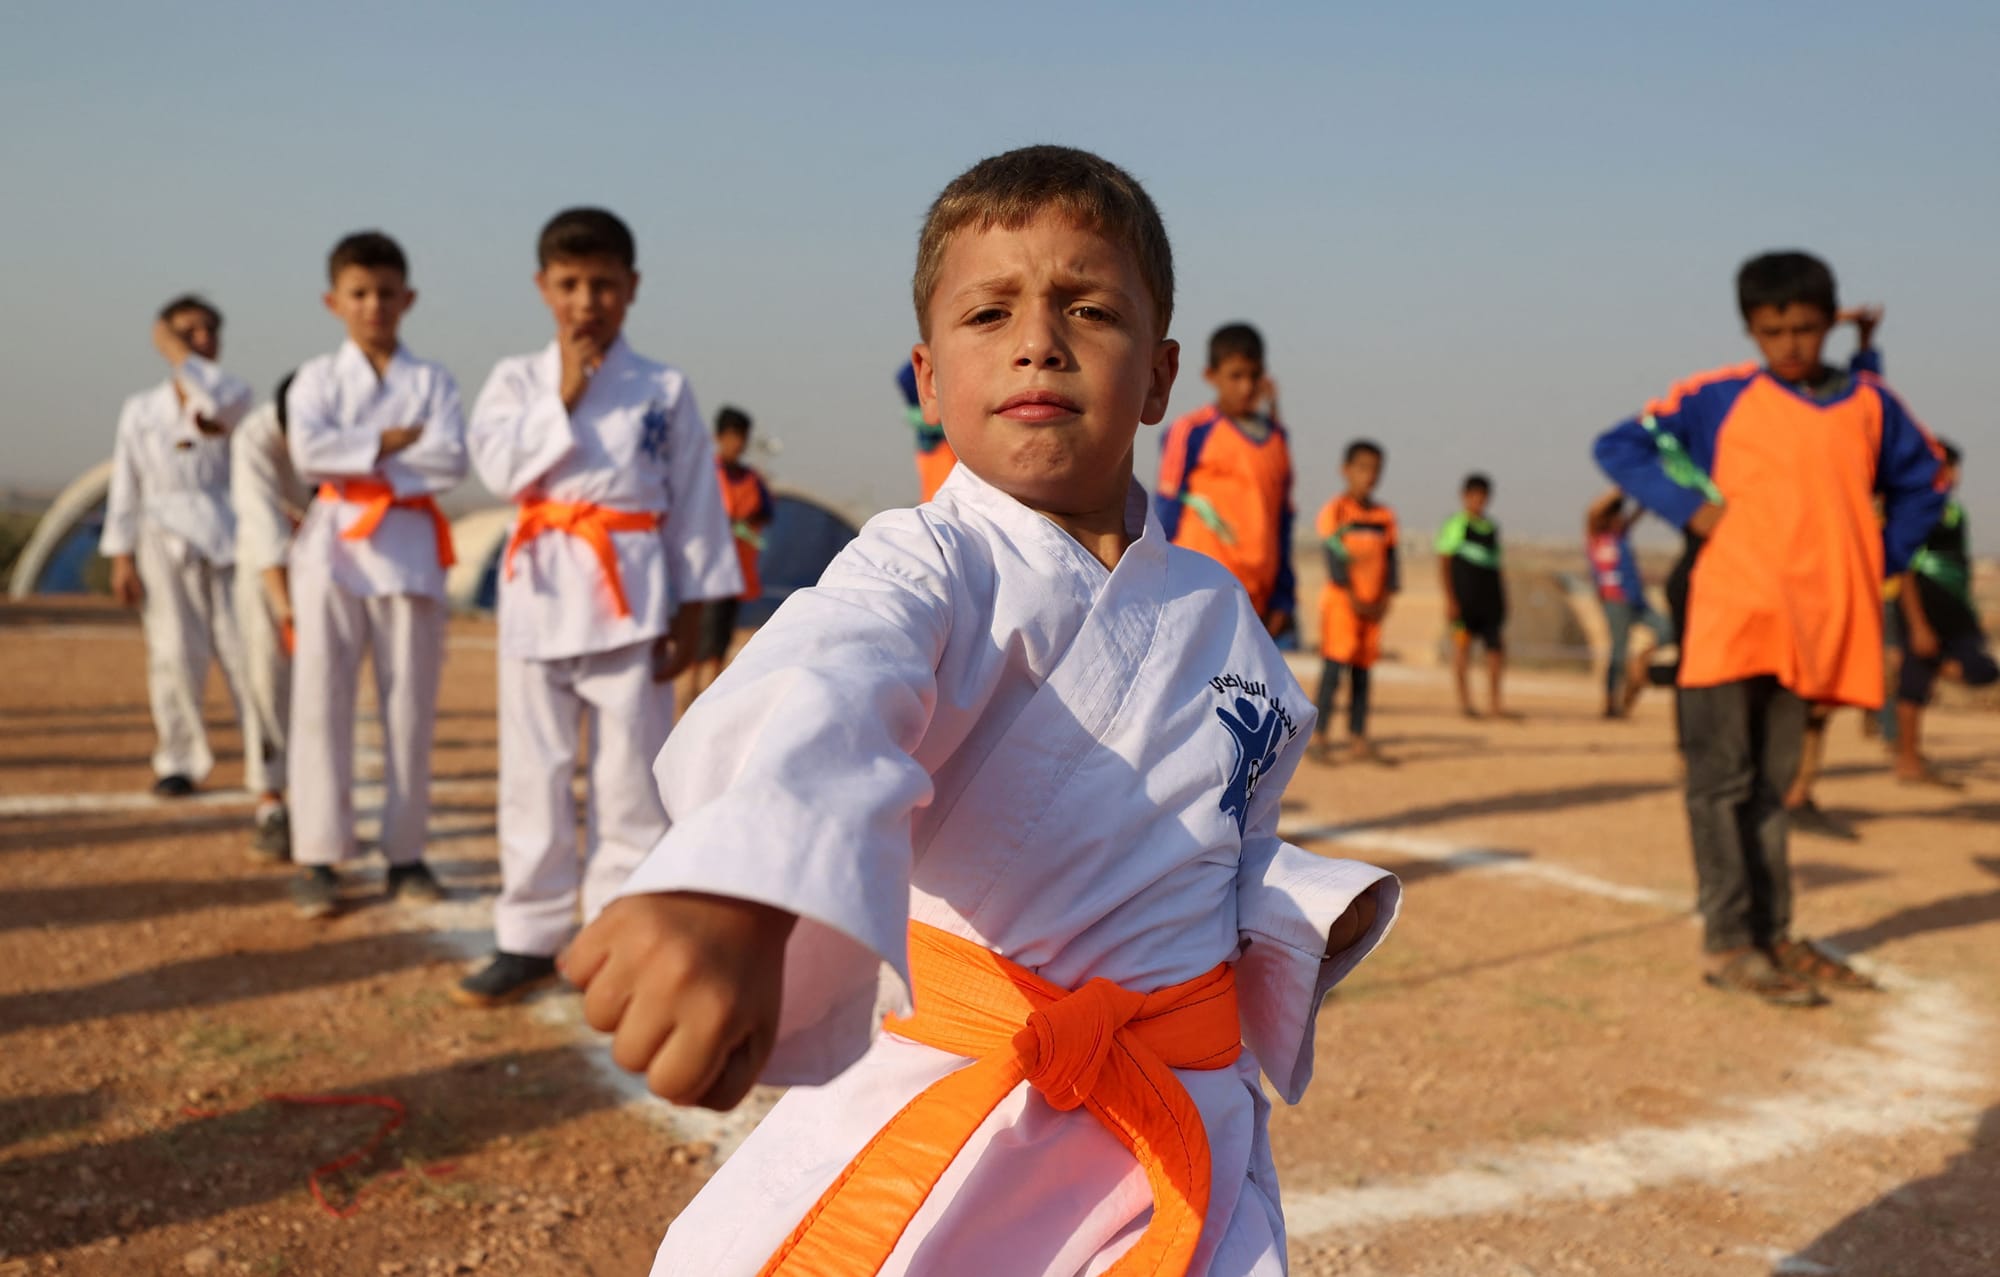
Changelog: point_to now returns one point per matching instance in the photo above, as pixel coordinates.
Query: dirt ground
(1527, 1079)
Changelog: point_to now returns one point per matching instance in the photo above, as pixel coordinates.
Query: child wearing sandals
(1783, 601)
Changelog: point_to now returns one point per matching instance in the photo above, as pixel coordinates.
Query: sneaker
(316, 892)
(273, 839)
(504, 978)
(1809, 818)
(414, 884)
(175, 786)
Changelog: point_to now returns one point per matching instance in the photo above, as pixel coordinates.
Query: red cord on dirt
(394, 1120)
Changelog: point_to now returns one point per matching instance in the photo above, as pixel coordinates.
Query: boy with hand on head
(746, 501)
(1475, 592)
(270, 499)
(170, 535)
(1783, 603)
(380, 432)
(1020, 749)
(1362, 575)
(1230, 466)
(1941, 625)
(619, 542)
(1607, 536)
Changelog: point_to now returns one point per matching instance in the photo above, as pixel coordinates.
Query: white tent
(79, 502)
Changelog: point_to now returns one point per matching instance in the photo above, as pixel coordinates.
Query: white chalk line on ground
(32, 806)
(1917, 1072)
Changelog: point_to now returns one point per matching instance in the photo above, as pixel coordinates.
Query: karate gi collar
(353, 368)
(1142, 523)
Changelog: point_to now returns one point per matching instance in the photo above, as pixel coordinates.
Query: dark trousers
(1357, 699)
(1742, 741)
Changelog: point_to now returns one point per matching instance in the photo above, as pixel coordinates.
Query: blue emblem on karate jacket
(1256, 731)
(653, 431)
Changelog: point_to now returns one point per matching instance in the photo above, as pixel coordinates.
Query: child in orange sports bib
(1362, 575)
(1027, 755)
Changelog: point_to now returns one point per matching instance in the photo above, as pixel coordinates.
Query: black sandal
(1753, 972)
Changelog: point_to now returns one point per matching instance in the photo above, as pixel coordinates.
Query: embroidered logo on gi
(653, 431)
(1257, 732)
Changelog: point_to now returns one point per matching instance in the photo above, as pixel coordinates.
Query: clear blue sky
(1478, 232)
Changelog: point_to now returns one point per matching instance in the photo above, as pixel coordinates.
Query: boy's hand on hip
(1705, 520)
(125, 585)
(689, 987)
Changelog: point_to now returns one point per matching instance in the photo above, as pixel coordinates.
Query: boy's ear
(326, 299)
(1166, 366)
(409, 300)
(927, 395)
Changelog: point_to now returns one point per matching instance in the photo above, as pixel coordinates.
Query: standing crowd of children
(1020, 751)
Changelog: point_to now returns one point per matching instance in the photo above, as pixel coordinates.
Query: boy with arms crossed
(170, 536)
(620, 539)
(380, 432)
(1030, 756)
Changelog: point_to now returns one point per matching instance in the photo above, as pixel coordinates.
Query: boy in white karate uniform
(380, 432)
(1030, 756)
(269, 499)
(621, 536)
(169, 534)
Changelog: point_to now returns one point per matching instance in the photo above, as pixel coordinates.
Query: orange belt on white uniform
(594, 524)
(376, 499)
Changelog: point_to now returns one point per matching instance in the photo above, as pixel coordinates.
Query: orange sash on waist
(376, 499)
(1103, 1047)
(593, 523)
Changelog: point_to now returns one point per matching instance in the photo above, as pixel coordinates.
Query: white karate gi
(969, 722)
(269, 499)
(169, 508)
(383, 595)
(635, 443)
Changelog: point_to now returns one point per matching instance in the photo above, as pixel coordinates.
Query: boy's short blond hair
(1009, 191)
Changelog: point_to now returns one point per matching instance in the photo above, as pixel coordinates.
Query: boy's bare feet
(1320, 752)
(1920, 772)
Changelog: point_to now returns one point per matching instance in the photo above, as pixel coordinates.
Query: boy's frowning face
(1043, 358)
(1238, 382)
(588, 296)
(1790, 338)
(371, 301)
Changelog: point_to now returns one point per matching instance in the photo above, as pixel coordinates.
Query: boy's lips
(1033, 406)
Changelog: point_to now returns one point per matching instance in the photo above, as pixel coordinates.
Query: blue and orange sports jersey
(935, 458)
(1360, 542)
(1790, 582)
(1229, 495)
(747, 502)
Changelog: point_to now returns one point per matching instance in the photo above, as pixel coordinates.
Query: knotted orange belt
(594, 524)
(1103, 1047)
(376, 499)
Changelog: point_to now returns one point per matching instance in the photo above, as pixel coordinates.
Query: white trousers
(189, 618)
(404, 636)
(267, 676)
(541, 705)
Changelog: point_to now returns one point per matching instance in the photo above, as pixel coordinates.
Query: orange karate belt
(1101, 1047)
(376, 499)
(594, 524)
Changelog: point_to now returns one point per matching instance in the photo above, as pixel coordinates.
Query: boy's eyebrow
(1007, 283)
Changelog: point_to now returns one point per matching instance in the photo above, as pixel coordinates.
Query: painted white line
(29, 806)
(1457, 855)
(1918, 1072)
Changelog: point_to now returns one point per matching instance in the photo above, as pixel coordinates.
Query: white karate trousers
(404, 635)
(189, 617)
(541, 705)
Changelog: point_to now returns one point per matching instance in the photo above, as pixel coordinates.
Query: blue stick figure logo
(653, 431)
(1255, 735)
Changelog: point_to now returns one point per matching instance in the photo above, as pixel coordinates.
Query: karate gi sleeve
(701, 547)
(1906, 475)
(256, 490)
(121, 507)
(219, 396)
(320, 448)
(436, 462)
(792, 781)
(519, 431)
(1287, 900)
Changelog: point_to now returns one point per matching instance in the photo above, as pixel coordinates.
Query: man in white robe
(169, 534)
